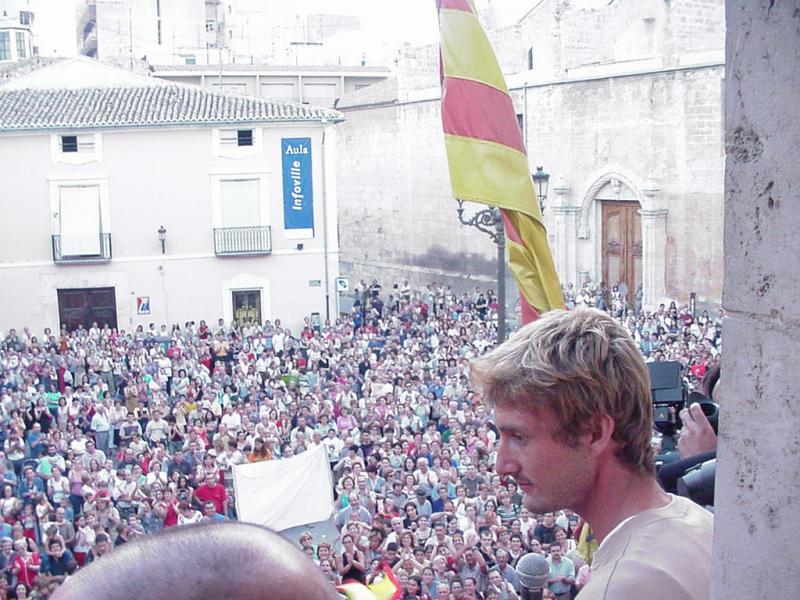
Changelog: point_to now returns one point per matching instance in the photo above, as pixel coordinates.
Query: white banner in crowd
(285, 493)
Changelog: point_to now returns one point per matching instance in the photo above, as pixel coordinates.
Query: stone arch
(598, 180)
(654, 226)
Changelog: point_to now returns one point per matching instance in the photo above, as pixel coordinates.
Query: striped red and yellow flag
(486, 154)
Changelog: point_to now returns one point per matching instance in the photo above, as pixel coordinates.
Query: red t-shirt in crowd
(171, 518)
(216, 494)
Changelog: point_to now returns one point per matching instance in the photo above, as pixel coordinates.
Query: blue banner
(298, 195)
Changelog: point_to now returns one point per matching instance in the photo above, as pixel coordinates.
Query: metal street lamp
(490, 222)
(541, 179)
(162, 237)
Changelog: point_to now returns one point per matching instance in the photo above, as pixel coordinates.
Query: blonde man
(571, 397)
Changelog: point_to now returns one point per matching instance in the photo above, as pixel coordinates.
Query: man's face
(502, 558)
(555, 552)
(552, 475)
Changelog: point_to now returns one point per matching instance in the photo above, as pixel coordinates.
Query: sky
(414, 22)
(408, 21)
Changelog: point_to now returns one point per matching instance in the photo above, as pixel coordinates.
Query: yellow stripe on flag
(489, 173)
(532, 266)
(466, 52)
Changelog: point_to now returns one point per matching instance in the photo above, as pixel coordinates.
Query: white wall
(157, 177)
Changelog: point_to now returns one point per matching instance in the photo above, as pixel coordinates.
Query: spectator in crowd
(110, 434)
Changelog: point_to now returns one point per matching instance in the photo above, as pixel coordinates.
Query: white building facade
(137, 201)
(213, 32)
(15, 35)
(316, 85)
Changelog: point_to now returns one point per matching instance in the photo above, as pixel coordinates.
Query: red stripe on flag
(455, 5)
(511, 231)
(528, 313)
(476, 110)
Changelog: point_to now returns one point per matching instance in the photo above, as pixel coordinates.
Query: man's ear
(601, 434)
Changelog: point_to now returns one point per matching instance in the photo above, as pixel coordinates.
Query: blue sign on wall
(298, 195)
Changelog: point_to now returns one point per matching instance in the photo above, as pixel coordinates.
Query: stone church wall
(658, 122)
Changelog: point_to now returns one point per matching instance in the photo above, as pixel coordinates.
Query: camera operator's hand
(697, 435)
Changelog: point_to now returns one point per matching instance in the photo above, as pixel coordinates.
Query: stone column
(654, 241)
(758, 472)
(654, 246)
(563, 236)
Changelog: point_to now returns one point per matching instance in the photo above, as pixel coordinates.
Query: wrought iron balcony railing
(82, 248)
(233, 241)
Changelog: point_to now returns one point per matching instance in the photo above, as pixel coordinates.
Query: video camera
(670, 395)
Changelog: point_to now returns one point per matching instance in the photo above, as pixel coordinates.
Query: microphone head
(533, 570)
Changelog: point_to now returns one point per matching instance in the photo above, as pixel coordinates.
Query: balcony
(82, 249)
(243, 241)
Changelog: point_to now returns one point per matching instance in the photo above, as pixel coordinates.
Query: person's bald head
(217, 560)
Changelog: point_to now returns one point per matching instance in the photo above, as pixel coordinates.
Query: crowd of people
(111, 435)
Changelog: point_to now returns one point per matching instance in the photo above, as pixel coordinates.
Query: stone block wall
(758, 486)
(396, 207)
(397, 210)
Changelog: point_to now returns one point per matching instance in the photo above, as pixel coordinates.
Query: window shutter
(241, 204)
(79, 216)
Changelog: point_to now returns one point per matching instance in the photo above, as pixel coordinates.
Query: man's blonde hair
(579, 364)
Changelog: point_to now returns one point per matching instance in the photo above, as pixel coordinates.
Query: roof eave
(53, 128)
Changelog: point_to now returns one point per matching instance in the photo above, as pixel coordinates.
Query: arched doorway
(621, 225)
(623, 221)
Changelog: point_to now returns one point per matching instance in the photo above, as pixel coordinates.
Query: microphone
(533, 571)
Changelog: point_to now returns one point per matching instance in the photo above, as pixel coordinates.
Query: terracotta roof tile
(143, 106)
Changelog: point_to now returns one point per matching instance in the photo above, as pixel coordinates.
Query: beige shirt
(659, 554)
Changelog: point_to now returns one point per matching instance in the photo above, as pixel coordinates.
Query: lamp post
(490, 222)
(541, 180)
(162, 237)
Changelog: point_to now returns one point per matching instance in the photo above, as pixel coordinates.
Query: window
(530, 59)
(210, 26)
(24, 17)
(236, 137)
(78, 143)
(190, 60)
(278, 91)
(79, 220)
(521, 122)
(158, 32)
(244, 137)
(240, 202)
(21, 46)
(69, 143)
(5, 45)
(236, 88)
(319, 92)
